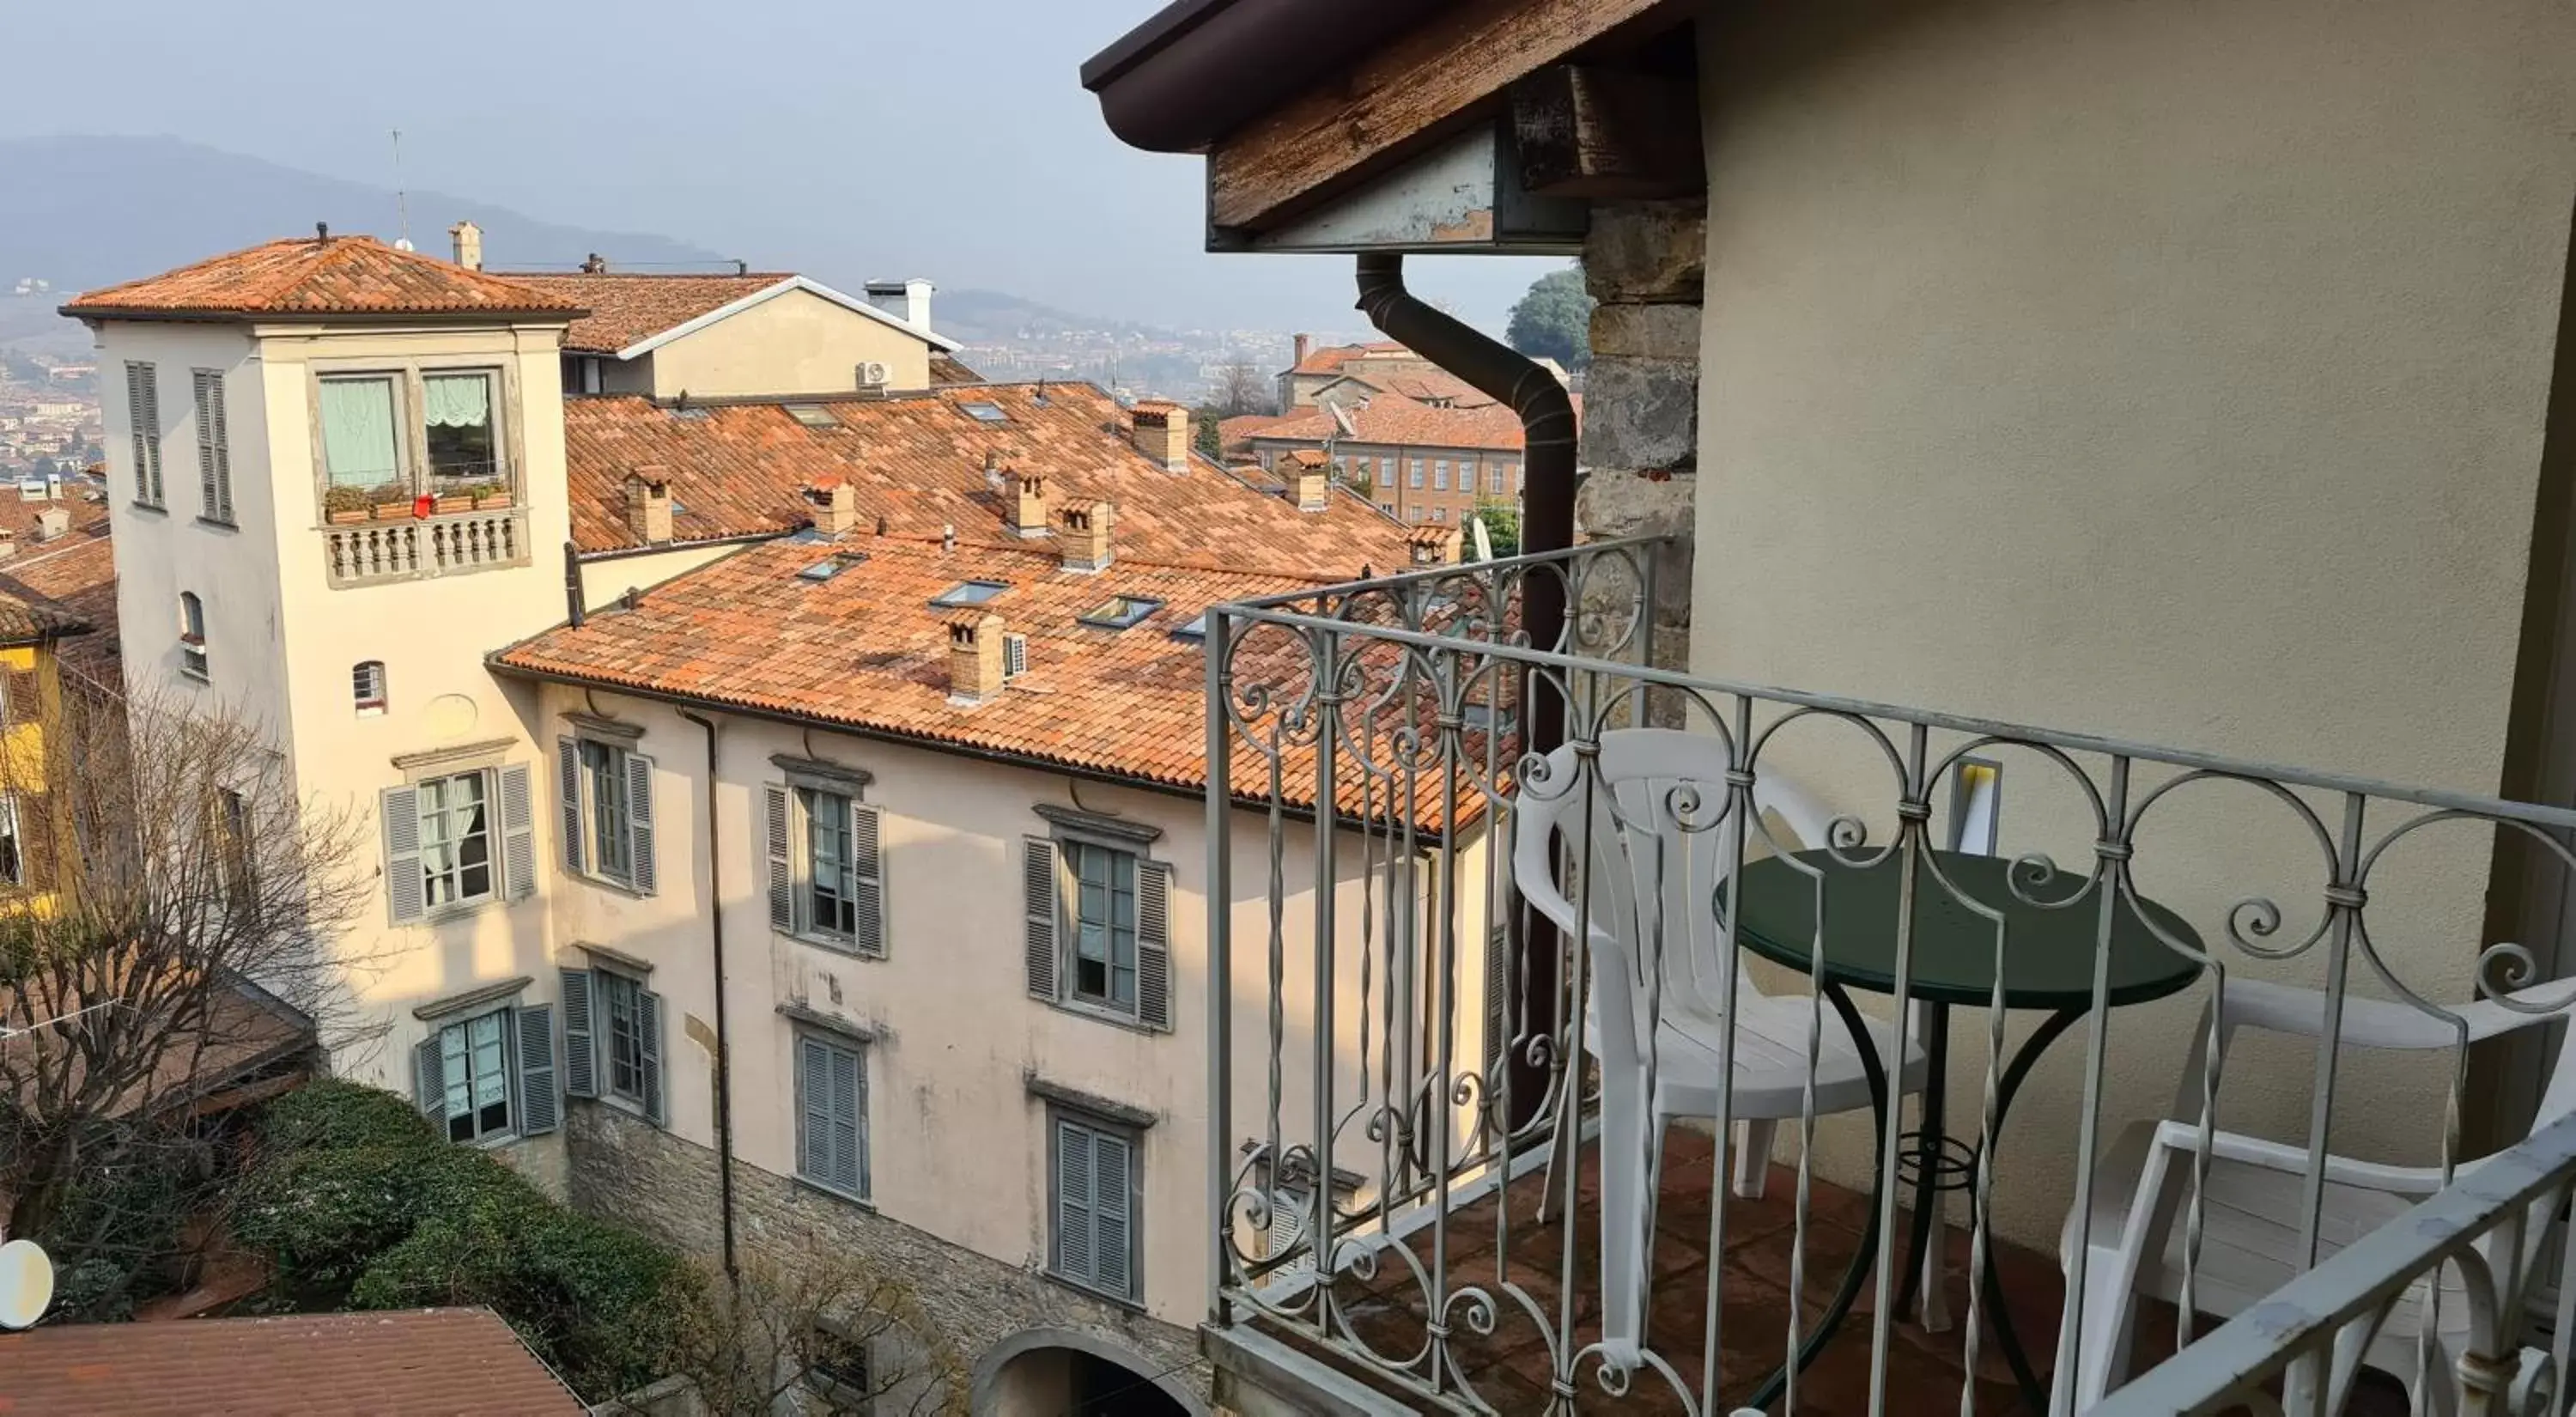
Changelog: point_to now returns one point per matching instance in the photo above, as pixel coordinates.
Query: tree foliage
(170, 939)
(1554, 319)
(356, 1202)
(1502, 525)
(828, 1334)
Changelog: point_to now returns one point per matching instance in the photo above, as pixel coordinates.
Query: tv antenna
(402, 200)
(26, 1283)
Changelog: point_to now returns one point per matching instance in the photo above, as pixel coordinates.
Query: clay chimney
(1028, 494)
(648, 503)
(836, 507)
(53, 523)
(1163, 434)
(1304, 344)
(1085, 537)
(1314, 488)
(467, 242)
(1433, 545)
(974, 659)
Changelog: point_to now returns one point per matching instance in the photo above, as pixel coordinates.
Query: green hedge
(359, 1202)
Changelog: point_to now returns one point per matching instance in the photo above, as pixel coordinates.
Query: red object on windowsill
(424, 506)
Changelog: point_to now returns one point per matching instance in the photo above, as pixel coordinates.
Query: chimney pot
(466, 239)
(1028, 494)
(648, 503)
(52, 523)
(1084, 538)
(1305, 343)
(1434, 546)
(1163, 434)
(1314, 489)
(974, 659)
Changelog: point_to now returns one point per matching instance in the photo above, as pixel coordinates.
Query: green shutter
(406, 891)
(538, 1105)
(581, 1050)
(639, 822)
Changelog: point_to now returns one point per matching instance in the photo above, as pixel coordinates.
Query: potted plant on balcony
(391, 503)
(344, 506)
(459, 499)
(490, 496)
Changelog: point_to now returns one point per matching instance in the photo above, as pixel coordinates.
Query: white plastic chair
(2253, 1211)
(1651, 874)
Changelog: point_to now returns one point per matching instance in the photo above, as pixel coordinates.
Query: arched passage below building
(1058, 1372)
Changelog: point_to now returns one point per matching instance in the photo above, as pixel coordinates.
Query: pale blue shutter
(814, 1110)
(648, 1037)
(538, 1105)
(639, 822)
(581, 1051)
(134, 427)
(429, 1080)
(568, 791)
(1154, 944)
(209, 388)
(849, 1122)
(1114, 1268)
(869, 870)
(1073, 1236)
(518, 832)
(1038, 893)
(782, 879)
(406, 891)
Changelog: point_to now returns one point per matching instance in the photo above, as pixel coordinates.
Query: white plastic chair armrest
(2411, 1181)
(2378, 1023)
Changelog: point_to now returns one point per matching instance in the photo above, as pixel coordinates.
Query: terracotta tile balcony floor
(1510, 1368)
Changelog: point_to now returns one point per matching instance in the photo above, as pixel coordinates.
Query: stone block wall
(1644, 263)
(624, 1168)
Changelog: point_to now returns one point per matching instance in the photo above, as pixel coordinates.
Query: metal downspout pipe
(724, 1049)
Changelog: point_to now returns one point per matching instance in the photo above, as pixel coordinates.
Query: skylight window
(812, 415)
(694, 415)
(969, 593)
(983, 412)
(831, 566)
(1195, 630)
(1120, 611)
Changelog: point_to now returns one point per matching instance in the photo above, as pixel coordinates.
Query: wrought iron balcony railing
(2134, 1045)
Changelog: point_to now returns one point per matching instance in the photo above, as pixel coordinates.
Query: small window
(812, 415)
(605, 793)
(1120, 611)
(367, 686)
(969, 593)
(1195, 630)
(838, 1369)
(456, 839)
(458, 429)
(13, 855)
(1440, 475)
(603, 771)
(214, 449)
(698, 414)
(623, 1005)
(192, 635)
(1440, 514)
(832, 1115)
(143, 420)
(1094, 1190)
(828, 567)
(831, 866)
(983, 412)
(1414, 475)
(1104, 925)
(361, 441)
(474, 1063)
(1466, 477)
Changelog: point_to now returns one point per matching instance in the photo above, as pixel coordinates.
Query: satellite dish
(26, 1284)
(1484, 542)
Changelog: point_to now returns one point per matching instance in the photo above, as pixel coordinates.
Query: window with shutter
(832, 1113)
(868, 883)
(1094, 1205)
(581, 1045)
(568, 800)
(474, 1067)
(214, 453)
(143, 422)
(782, 876)
(639, 825)
(518, 832)
(650, 1020)
(538, 1106)
(405, 887)
(607, 794)
(1038, 894)
(429, 1080)
(1154, 945)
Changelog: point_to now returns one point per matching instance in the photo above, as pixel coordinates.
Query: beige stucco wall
(605, 579)
(2173, 372)
(282, 641)
(958, 1142)
(795, 342)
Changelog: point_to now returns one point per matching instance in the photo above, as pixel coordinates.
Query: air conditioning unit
(1015, 656)
(874, 375)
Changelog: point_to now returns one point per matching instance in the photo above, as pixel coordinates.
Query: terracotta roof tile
(1400, 422)
(919, 461)
(1333, 356)
(392, 1364)
(312, 276)
(71, 579)
(626, 309)
(866, 649)
(946, 368)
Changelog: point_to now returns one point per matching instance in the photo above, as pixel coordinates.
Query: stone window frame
(806, 1028)
(1084, 1118)
(411, 434)
(797, 777)
(1071, 826)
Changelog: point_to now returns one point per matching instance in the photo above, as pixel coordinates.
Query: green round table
(2047, 959)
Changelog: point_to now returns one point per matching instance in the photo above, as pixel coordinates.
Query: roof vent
(1015, 656)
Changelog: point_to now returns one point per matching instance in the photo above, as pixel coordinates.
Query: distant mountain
(82, 212)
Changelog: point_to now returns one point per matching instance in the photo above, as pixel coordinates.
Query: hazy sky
(950, 140)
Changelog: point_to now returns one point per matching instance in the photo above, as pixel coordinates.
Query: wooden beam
(1585, 131)
(1398, 100)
